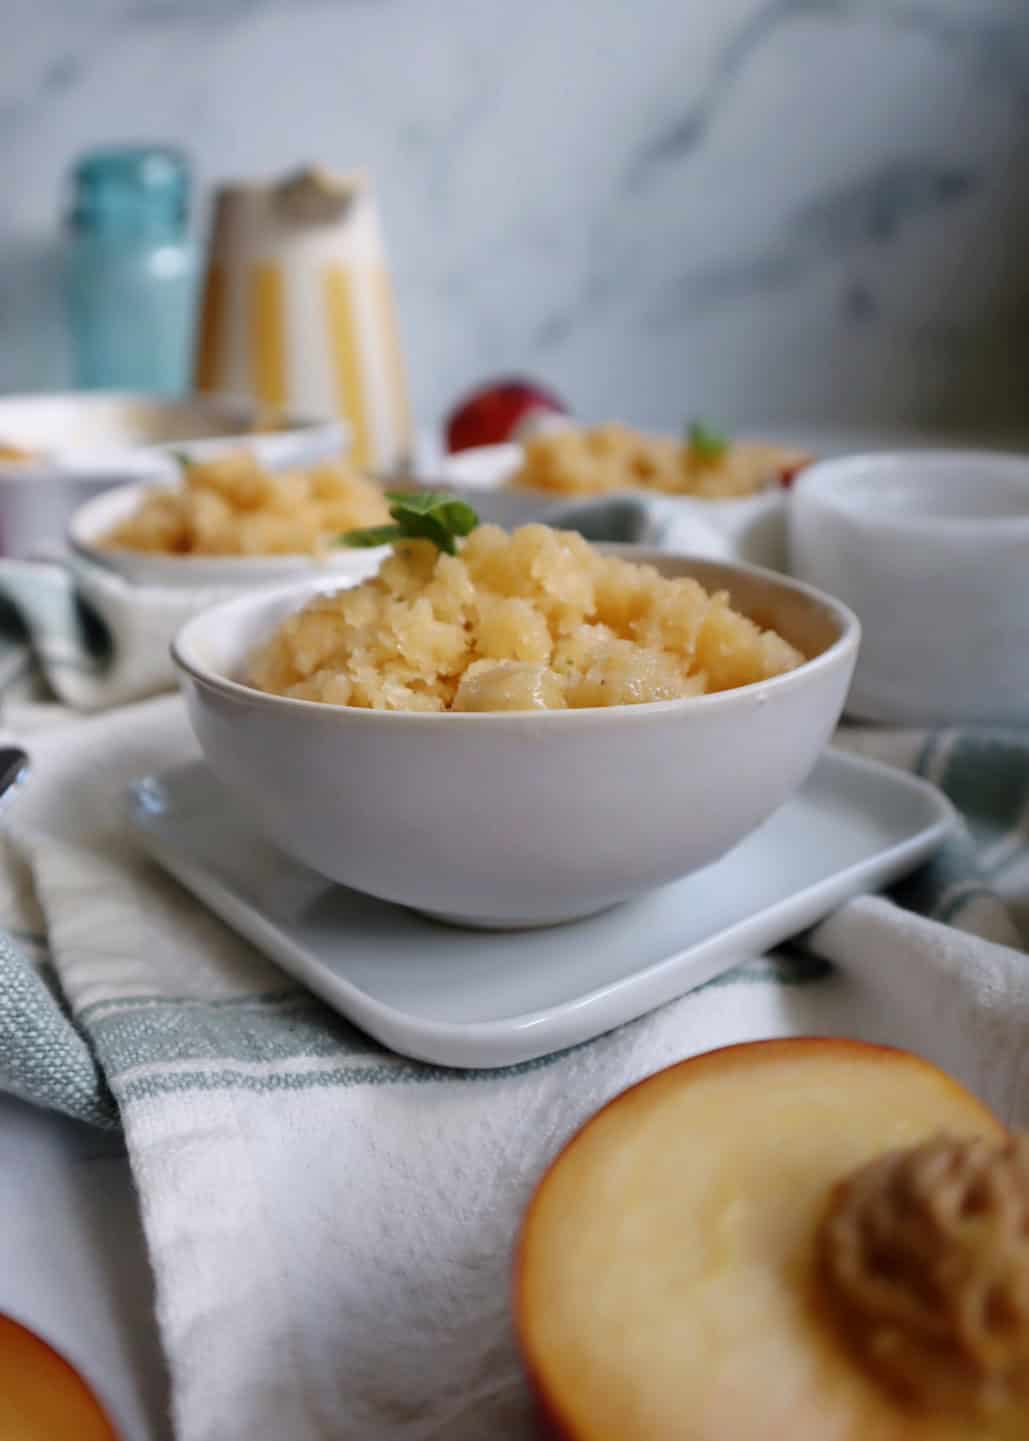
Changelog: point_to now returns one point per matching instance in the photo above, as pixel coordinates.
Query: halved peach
(42, 1397)
(666, 1280)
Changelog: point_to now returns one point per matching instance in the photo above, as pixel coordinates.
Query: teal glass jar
(131, 270)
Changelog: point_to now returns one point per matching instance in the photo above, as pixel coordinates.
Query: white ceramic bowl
(75, 427)
(95, 519)
(751, 527)
(515, 819)
(85, 443)
(931, 549)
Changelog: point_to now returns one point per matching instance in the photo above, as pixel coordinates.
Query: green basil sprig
(706, 444)
(419, 515)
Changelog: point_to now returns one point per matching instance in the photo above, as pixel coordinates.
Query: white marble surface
(741, 208)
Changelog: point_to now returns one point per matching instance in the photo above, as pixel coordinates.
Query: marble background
(745, 209)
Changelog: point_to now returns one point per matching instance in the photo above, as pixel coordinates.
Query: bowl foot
(491, 923)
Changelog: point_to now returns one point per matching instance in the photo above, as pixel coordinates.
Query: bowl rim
(218, 403)
(843, 647)
(817, 486)
(228, 409)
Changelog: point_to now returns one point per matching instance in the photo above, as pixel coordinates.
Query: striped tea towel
(331, 1225)
(94, 638)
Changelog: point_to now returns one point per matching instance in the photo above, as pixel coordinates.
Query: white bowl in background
(751, 527)
(67, 427)
(518, 819)
(931, 549)
(85, 443)
(93, 520)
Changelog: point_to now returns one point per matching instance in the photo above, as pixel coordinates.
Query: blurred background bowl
(74, 446)
(96, 517)
(749, 527)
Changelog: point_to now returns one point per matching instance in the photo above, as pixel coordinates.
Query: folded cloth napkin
(330, 1225)
(99, 640)
(96, 639)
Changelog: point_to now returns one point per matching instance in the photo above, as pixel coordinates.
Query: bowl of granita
(516, 728)
(566, 460)
(736, 485)
(703, 463)
(229, 519)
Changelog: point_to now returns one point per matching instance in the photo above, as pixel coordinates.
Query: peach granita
(533, 620)
(614, 457)
(233, 506)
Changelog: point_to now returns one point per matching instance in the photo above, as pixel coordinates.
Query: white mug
(931, 549)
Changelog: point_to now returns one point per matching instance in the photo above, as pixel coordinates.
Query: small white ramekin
(931, 549)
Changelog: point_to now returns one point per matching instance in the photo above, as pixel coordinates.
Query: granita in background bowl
(231, 521)
(522, 732)
(734, 487)
(703, 463)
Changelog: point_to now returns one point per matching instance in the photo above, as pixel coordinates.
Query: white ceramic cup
(931, 549)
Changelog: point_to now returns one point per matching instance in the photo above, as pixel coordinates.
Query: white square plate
(472, 998)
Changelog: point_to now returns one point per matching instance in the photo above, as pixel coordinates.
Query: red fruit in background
(490, 414)
(790, 469)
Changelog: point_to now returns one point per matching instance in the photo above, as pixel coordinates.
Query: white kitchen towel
(331, 1226)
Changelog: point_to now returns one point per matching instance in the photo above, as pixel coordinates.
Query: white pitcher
(298, 309)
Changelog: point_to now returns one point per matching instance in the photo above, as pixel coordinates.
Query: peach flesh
(42, 1397)
(664, 1278)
